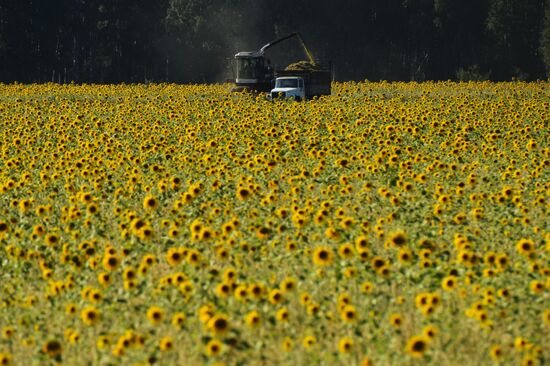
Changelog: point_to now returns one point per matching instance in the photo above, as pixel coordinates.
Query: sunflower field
(386, 224)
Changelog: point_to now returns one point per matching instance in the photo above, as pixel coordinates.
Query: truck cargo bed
(317, 81)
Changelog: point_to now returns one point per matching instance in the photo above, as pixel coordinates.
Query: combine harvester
(300, 80)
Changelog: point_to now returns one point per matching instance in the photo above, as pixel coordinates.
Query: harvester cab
(253, 72)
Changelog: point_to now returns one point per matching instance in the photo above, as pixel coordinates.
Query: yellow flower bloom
(417, 346)
(309, 341)
(214, 347)
(345, 345)
(155, 315)
(89, 315)
(322, 256)
(253, 319)
(218, 324)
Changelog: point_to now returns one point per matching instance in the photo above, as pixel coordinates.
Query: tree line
(111, 41)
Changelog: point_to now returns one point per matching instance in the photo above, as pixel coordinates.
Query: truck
(301, 84)
(255, 73)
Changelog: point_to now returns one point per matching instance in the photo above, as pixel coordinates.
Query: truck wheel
(298, 99)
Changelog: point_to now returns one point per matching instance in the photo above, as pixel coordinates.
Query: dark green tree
(460, 38)
(514, 28)
(195, 40)
(545, 39)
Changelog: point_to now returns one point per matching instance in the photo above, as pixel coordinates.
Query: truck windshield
(287, 83)
(249, 68)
